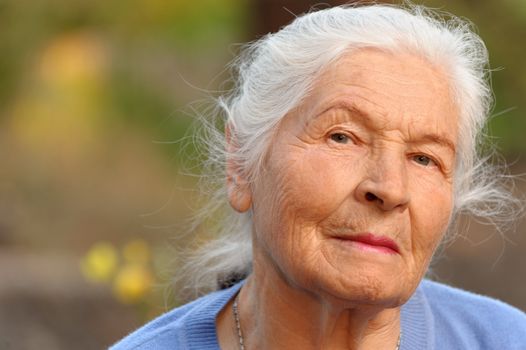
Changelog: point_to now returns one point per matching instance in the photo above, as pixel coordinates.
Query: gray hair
(272, 76)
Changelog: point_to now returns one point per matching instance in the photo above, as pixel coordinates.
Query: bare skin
(371, 151)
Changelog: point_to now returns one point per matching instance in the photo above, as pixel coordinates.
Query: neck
(296, 318)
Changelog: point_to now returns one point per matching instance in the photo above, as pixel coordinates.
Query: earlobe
(239, 192)
(239, 195)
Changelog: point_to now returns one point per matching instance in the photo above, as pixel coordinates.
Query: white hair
(274, 74)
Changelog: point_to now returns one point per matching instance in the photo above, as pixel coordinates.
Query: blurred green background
(95, 97)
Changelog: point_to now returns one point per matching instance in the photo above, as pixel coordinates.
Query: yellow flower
(132, 283)
(100, 262)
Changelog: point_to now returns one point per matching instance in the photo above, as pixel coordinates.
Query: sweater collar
(201, 327)
(417, 323)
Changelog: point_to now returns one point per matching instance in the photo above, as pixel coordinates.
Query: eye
(423, 160)
(340, 138)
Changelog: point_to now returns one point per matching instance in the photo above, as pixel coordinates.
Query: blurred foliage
(129, 57)
(87, 88)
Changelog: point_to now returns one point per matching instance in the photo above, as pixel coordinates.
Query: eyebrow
(441, 140)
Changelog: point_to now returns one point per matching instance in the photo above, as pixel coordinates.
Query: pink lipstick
(370, 242)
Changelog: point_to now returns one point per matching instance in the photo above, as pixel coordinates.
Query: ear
(239, 191)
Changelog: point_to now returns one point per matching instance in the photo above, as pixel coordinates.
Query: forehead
(394, 90)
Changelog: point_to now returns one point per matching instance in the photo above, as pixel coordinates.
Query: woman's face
(356, 190)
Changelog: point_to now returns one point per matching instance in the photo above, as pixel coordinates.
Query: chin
(365, 289)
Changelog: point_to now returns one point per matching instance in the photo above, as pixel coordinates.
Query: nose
(385, 183)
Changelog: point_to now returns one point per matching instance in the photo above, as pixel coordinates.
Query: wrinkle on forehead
(399, 88)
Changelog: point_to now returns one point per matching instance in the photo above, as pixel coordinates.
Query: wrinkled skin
(370, 150)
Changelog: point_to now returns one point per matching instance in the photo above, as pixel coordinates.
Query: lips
(371, 242)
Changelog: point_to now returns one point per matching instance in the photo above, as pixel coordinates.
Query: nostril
(370, 197)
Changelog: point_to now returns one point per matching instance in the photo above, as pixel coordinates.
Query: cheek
(318, 183)
(430, 218)
(299, 191)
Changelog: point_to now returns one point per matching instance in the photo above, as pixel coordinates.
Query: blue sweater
(436, 317)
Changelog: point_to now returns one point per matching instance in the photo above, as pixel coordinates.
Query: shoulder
(466, 304)
(473, 318)
(191, 326)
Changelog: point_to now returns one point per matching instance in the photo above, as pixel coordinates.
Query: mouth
(370, 242)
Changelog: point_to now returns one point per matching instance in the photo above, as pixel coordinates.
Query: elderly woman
(351, 142)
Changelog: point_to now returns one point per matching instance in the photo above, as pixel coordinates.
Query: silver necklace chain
(240, 335)
(238, 324)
